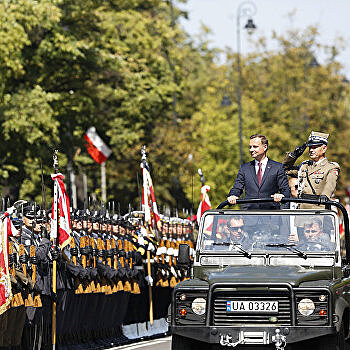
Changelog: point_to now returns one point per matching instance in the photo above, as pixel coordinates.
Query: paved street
(156, 344)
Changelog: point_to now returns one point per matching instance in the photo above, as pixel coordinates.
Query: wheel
(333, 341)
(182, 343)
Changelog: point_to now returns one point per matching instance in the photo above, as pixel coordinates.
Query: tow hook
(226, 340)
(279, 340)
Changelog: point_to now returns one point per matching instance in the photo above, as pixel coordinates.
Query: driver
(315, 237)
(235, 230)
(313, 231)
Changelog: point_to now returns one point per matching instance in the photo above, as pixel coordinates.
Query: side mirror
(183, 257)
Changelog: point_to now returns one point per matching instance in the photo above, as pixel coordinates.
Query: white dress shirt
(263, 166)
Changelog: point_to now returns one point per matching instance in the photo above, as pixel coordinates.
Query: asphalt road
(156, 344)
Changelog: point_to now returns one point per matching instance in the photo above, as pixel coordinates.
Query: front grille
(221, 317)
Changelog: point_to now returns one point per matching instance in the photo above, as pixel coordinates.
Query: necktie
(259, 174)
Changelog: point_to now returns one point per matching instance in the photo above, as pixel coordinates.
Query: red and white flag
(97, 149)
(205, 202)
(149, 204)
(64, 223)
(5, 283)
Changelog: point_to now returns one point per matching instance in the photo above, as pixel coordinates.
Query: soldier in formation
(99, 274)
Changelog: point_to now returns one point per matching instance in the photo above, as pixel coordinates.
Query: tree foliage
(128, 68)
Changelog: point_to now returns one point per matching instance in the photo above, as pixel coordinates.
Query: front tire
(333, 342)
(182, 343)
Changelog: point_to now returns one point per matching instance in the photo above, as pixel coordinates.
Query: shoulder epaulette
(336, 164)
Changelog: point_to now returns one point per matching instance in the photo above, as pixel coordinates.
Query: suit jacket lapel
(267, 169)
(253, 173)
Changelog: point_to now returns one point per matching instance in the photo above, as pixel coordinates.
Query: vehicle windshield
(294, 233)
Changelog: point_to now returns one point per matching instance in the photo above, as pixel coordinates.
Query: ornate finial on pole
(144, 163)
(200, 173)
(55, 160)
(143, 152)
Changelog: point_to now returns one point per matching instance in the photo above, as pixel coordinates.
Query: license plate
(252, 306)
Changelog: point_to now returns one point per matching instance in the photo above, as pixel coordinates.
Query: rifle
(172, 261)
(23, 258)
(119, 286)
(91, 251)
(127, 285)
(84, 246)
(54, 234)
(101, 247)
(94, 252)
(135, 289)
(79, 285)
(34, 261)
(17, 299)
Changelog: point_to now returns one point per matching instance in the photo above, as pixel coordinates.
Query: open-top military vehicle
(265, 279)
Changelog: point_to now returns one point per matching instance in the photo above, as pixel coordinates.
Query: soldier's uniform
(314, 178)
(318, 178)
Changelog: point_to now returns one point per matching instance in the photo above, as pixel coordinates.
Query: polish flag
(205, 202)
(5, 283)
(149, 204)
(97, 149)
(62, 207)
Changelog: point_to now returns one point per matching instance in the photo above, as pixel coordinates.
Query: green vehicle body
(225, 279)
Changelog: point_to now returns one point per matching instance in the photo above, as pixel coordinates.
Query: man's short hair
(263, 139)
(316, 221)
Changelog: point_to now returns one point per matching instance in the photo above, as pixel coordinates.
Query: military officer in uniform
(317, 176)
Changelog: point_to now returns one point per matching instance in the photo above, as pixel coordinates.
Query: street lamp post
(245, 9)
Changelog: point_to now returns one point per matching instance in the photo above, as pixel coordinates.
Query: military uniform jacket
(320, 179)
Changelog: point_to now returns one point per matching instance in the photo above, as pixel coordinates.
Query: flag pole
(103, 182)
(149, 223)
(54, 262)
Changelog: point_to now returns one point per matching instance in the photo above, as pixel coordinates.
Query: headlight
(306, 307)
(198, 306)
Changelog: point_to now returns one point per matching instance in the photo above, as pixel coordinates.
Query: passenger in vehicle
(236, 233)
(260, 178)
(315, 237)
(313, 231)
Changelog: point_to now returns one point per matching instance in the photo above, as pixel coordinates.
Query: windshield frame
(278, 251)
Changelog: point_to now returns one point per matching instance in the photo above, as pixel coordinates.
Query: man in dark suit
(260, 178)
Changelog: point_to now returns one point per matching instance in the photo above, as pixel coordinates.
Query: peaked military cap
(31, 210)
(317, 138)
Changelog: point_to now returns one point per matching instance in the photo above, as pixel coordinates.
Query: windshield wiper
(289, 246)
(236, 245)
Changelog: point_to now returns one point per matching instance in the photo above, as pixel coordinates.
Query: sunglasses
(234, 229)
(312, 231)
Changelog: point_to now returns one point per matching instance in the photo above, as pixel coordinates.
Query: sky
(330, 16)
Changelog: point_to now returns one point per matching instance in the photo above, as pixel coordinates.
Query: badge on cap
(317, 138)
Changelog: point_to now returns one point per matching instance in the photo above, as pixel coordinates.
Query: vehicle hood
(294, 275)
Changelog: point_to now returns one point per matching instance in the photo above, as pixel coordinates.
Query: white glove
(149, 280)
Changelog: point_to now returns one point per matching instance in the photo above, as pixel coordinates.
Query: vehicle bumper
(254, 335)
